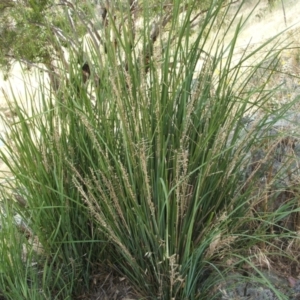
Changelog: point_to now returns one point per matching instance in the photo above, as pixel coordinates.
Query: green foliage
(28, 32)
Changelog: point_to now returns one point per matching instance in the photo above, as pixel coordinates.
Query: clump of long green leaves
(143, 169)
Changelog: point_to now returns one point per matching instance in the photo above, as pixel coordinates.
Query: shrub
(142, 169)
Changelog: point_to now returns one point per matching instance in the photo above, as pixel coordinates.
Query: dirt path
(17, 88)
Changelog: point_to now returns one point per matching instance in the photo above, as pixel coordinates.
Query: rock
(241, 288)
(275, 160)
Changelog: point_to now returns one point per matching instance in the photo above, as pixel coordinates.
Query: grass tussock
(145, 170)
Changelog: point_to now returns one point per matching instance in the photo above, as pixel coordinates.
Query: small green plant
(141, 169)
